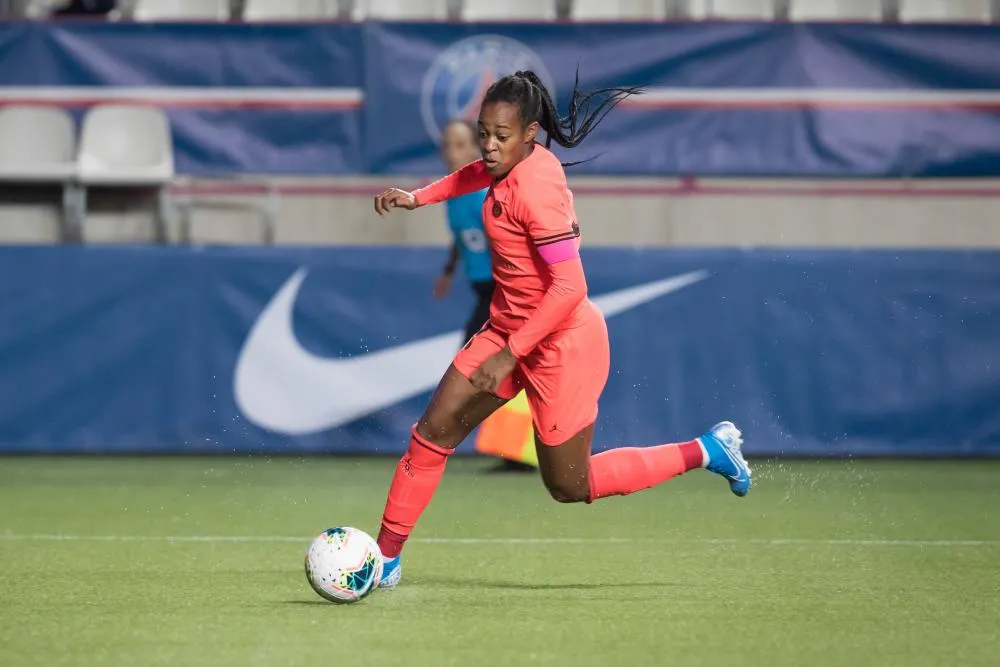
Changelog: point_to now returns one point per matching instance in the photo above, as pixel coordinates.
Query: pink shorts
(563, 377)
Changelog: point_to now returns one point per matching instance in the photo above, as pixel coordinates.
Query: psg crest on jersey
(458, 78)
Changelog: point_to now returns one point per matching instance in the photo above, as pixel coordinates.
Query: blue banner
(242, 98)
(723, 99)
(740, 99)
(223, 350)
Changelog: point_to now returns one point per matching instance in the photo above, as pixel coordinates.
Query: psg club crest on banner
(458, 78)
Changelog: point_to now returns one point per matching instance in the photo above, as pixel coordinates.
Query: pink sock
(619, 472)
(412, 488)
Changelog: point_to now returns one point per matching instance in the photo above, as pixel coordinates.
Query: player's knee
(563, 492)
(441, 432)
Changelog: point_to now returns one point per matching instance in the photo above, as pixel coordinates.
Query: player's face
(458, 146)
(504, 140)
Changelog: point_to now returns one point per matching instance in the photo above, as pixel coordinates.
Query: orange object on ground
(508, 433)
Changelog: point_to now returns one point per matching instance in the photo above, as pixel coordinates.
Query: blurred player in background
(459, 147)
(544, 335)
(505, 436)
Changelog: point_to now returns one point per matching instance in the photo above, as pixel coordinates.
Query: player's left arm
(548, 216)
(443, 283)
(453, 256)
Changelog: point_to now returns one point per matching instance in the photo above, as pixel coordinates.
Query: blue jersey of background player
(459, 147)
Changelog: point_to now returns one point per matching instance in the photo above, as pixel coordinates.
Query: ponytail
(526, 90)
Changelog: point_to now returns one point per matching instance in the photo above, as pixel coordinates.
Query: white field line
(500, 541)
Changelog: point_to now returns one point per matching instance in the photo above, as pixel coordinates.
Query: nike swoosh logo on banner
(284, 388)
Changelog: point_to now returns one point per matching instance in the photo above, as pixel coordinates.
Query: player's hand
(394, 198)
(442, 286)
(493, 371)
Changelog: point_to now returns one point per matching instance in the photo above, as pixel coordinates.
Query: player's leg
(563, 386)
(571, 474)
(565, 468)
(483, 290)
(455, 409)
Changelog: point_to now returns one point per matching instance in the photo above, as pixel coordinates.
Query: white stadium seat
(737, 10)
(33, 8)
(836, 10)
(401, 9)
(945, 10)
(125, 145)
(502, 10)
(605, 10)
(290, 10)
(177, 10)
(37, 144)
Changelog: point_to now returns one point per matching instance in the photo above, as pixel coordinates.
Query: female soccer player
(543, 334)
(459, 147)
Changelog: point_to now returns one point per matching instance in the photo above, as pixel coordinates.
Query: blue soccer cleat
(723, 443)
(392, 572)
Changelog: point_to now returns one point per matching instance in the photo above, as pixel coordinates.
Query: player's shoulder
(546, 159)
(541, 168)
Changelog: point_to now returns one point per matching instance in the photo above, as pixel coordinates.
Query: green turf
(825, 563)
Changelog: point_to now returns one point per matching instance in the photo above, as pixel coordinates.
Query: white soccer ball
(344, 564)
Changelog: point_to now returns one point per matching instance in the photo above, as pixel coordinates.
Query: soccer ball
(344, 564)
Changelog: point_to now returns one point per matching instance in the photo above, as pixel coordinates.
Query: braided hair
(527, 91)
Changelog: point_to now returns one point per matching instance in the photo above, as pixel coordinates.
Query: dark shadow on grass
(447, 582)
(321, 603)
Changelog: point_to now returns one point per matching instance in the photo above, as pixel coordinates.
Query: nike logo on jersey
(284, 388)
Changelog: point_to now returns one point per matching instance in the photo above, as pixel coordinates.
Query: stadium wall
(171, 349)
(955, 213)
(657, 212)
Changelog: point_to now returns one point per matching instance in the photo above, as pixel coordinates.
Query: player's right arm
(469, 178)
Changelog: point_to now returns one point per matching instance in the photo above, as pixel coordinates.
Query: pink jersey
(525, 214)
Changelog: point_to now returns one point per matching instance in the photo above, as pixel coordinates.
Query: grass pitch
(119, 561)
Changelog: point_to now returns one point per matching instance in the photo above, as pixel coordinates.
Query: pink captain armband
(560, 251)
